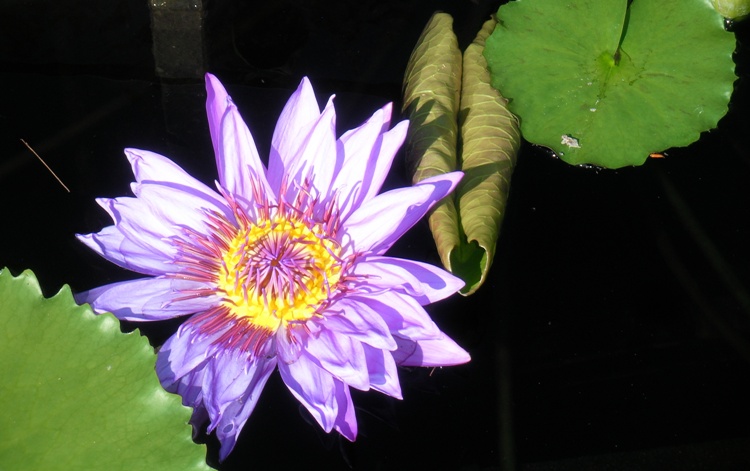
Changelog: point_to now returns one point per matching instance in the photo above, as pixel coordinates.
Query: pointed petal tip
(304, 89)
(347, 431)
(104, 202)
(134, 157)
(460, 358)
(304, 84)
(441, 351)
(455, 284)
(213, 83)
(216, 104)
(226, 447)
(453, 177)
(388, 115)
(402, 126)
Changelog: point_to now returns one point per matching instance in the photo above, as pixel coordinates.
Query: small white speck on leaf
(569, 141)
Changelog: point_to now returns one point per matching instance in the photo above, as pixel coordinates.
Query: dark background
(613, 333)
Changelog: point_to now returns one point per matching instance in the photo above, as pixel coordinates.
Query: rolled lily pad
(602, 83)
(76, 393)
(732, 9)
(431, 96)
(466, 224)
(490, 140)
(432, 83)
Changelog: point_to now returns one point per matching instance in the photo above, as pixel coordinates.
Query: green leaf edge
(105, 324)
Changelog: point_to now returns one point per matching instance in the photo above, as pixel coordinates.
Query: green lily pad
(602, 83)
(76, 393)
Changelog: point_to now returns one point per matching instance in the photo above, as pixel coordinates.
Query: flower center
(278, 270)
(271, 265)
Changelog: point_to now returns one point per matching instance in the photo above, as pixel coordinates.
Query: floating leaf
(604, 84)
(76, 393)
(490, 141)
(431, 92)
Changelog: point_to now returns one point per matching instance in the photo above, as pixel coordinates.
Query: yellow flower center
(278, 270)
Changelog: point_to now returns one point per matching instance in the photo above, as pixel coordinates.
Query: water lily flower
(280, 268)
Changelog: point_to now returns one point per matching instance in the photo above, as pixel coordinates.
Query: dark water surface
(613, 334)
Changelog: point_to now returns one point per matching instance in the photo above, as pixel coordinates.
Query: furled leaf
(431, 90)
(490, 141)
(465, 225)
(732, 8)
(76, 393)
(604, 84)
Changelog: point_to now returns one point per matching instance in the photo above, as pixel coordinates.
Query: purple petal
(340, 355)
(147, 299)
(314, 388)
(427, 283)
(346, 421)
(216, 107)
(150, 167)
(237, 158)
(111, 244)
(381, 221)
(159, 214)
(184, 353)
(316, 157)
(357, 151)
(404, 316)
(368, 153)
(294, 124)
(442, 351)
(137, 222)
(391, 143)
(356, 146)
(232, 375)
(231, 388)
(382, 370)
(175, 208)
(345, 317)
(190, 388)
(290, 339)
(197, 419)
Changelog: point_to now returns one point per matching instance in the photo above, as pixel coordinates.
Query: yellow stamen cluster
(277, 271)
